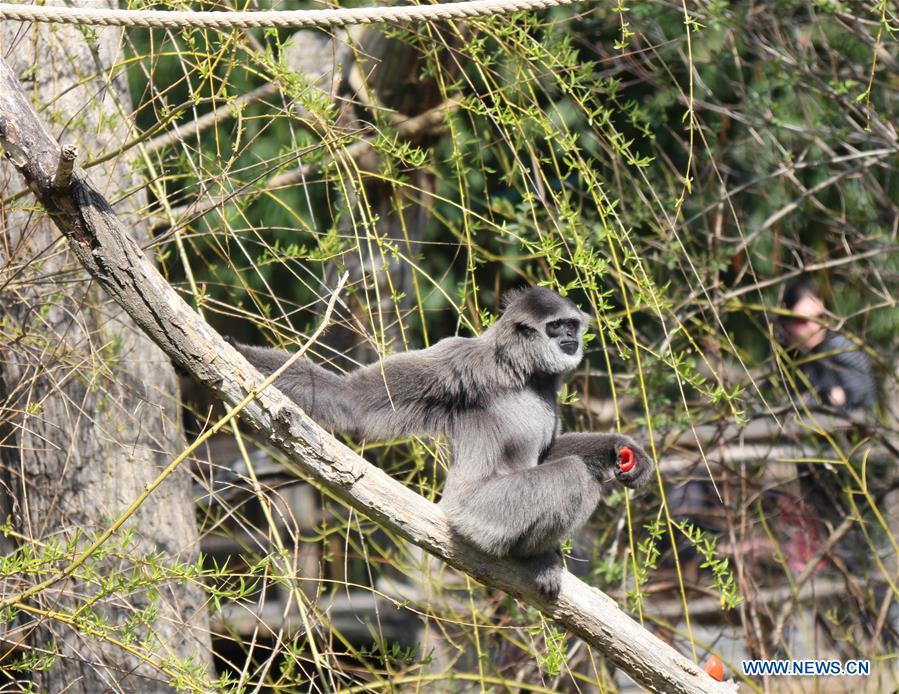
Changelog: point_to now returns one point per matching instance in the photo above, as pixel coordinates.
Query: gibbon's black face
(567, 332)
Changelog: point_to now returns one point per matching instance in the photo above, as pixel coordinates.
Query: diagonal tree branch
(118, 264)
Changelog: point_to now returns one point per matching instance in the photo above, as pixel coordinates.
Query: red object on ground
(715, 668)
(625, 459)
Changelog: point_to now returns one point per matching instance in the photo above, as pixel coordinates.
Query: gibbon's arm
(527, 513)
(601, 453)
(401, 395)
(530, 511)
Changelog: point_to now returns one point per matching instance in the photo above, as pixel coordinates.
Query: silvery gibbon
(516, 486)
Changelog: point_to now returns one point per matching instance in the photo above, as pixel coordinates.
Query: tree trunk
(89, 408)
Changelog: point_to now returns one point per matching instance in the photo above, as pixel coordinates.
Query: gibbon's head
(541, 332)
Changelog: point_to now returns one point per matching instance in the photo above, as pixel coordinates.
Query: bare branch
(67, 156)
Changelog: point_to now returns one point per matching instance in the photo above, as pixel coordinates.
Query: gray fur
(516, 487)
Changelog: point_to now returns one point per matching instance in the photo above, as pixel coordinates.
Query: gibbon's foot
(547, 570)
(632, 464)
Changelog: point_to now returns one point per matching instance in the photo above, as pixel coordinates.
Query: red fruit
(715, 668)
(625, 459)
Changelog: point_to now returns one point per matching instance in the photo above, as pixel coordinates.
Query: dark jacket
(838, 362)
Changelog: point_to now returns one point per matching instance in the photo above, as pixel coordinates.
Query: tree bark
(119, 265)
(89, 406)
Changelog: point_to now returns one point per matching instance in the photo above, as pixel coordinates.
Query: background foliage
(670, 167)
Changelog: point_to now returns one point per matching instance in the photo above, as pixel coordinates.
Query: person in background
(834, 366)
(841, 376)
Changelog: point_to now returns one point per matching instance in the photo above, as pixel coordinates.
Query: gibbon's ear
(526, 330)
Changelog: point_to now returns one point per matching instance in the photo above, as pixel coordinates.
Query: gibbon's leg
(524, 513)
(547, 571)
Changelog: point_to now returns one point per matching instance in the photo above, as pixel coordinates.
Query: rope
(173, 19)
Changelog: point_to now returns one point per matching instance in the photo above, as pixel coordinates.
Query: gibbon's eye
(563, 327)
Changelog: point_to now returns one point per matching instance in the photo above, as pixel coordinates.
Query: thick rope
(273, 18)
